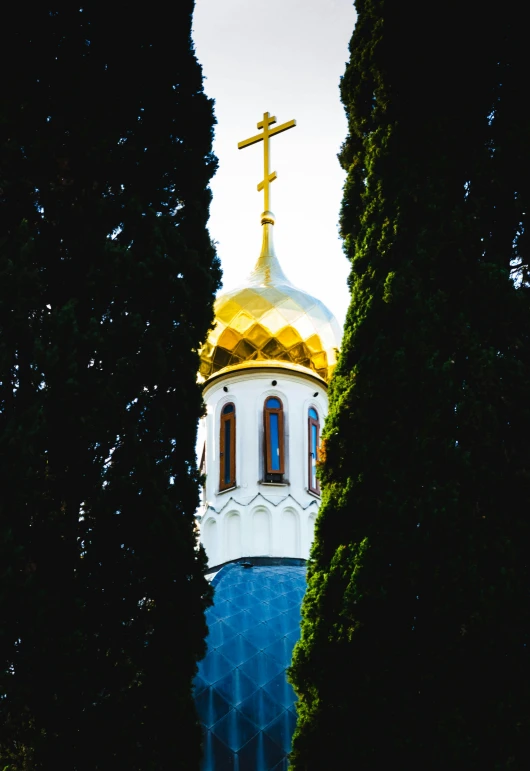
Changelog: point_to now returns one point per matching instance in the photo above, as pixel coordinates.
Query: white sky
(285, 57)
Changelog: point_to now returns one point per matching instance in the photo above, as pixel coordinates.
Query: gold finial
(267, 133)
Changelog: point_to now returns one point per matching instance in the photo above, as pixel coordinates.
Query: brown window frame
(310, 423)
(202, 471)
(229, 417)
(202, 464)
(267, 411)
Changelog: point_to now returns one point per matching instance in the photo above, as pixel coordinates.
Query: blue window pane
(229, 408)
(314, 447)
(275, 441)
(228, 427)
(313, 413)
(274, 403)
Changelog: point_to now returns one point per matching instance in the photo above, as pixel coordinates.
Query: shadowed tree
(107, 283)
(416, 621)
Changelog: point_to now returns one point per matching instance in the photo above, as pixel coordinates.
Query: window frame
(310, 423)
(202, 464)
(267, 412)
(231, 418)
(202, 472)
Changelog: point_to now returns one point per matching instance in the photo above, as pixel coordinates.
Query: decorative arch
(290, 533)
(261, 532)
(311, 520)
(210, 540)
(233, 535)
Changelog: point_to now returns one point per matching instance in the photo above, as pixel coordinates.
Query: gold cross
(267, 133)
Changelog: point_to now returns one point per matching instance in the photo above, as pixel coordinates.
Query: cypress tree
(415, 635)
(107, 283)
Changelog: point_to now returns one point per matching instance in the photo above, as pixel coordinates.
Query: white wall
(256, 518)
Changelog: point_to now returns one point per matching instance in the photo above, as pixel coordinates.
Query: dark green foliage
(416, 633)
(107, 278)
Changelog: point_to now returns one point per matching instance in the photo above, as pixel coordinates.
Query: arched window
(227, 448)
(202, 469)
(313, 444)
(274, 440)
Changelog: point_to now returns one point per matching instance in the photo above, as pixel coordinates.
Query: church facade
(265, 368)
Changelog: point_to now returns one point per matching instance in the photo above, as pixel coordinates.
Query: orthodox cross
(267, 133)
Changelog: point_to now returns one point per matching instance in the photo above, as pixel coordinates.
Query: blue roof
(245, 704)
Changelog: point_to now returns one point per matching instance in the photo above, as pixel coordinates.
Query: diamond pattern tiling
(281, 650)
(281, 730)
(236, 590)
(261, 708)
(261, 668)
(294, 636)
(222, 610)
(219, 633)
(262, 634)
(238, 650)
(199, 685)
(216, 754)
(211, 707)
(244, 702)
(240, 621)
(283, 602)
(244, 601)
(263, 611)
(236, 686)
(260, 754)
(284, 623)
(214, 666)
(281, 690)
(295, 597)
(234, 730)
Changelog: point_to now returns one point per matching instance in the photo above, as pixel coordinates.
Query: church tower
(265, 368)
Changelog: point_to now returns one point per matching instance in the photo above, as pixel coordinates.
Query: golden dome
(269, 322)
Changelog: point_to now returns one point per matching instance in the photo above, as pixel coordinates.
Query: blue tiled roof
(245, 704)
